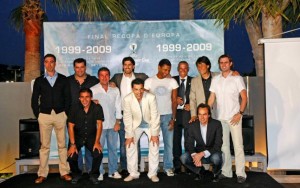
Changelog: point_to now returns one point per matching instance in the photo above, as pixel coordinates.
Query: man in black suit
(183, 114)
(123, 82)
(204, 144)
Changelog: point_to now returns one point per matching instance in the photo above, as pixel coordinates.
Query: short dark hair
(204, 60)
(104, 69)
(229, 58)
(128, 59)
(224, 56)
(182, 62)
(79, 60)
(88, 90)
(202, 105)
(50, 55)
(164, 62)
(137, 81)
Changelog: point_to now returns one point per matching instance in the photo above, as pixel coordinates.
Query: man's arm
(174, 108)
(211, 99)
(35, 98)
(97, 144)
(118, 111)
(73, 148)
(237, 117)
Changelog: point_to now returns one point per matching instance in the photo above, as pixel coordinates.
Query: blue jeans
(88, 159)
(123, 159)
(168, 141)
(214, 159)
(111, 137)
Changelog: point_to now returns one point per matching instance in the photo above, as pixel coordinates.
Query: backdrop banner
(107, 43)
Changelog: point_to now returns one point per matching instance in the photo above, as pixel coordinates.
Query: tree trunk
(32, 29)
(186, 10)
(255, 33)
(271, 26)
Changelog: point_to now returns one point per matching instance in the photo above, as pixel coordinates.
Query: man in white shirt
(227, 90)
(110, 100)
(203, 144)
(165, 90)
(141, 116)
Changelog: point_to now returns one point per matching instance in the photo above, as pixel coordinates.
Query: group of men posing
(98, 111)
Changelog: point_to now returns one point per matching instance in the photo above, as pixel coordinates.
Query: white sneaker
(169, 172)
(130, 178)
(115, 175)
(154, 178)
(100, 178)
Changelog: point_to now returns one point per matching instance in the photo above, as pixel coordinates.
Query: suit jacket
(213, 137)
(197, 95)
(132, 114)
(117, 78)
(187, 88)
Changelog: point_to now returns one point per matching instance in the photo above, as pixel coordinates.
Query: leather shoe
(177, 170)
(94, 179)
(75, 179)
(40, 179)
(66, 177)
(199, 177)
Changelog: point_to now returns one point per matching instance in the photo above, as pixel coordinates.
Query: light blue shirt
(50, 79)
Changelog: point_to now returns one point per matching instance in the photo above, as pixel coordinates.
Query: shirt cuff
(206, 153)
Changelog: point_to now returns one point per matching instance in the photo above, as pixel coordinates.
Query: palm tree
(30, 17)
(262, 18)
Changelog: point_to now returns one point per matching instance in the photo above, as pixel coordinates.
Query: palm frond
(16, 18)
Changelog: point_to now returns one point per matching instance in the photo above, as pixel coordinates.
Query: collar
(46, 74)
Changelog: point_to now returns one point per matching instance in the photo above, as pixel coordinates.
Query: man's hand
(235, 73)
(197, 159)
(187, 107)
(236, 119)
(128, 142)
(179, 101)
(171, 124)
(97, 146)
(72, 150)
(96, 101)
(154, 140)
(112, 84)
(193, 118)
(117, 127)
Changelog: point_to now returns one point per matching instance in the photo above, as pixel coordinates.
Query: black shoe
(188, 171)
(215, 179)
(75, 179)
(221, 177)
(94, 179)
(177, 171)
(124, 173)
(199, 177)
(241, 179)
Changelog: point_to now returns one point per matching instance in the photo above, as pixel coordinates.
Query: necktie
(182, 90)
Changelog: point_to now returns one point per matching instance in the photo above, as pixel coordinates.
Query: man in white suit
(140, 115)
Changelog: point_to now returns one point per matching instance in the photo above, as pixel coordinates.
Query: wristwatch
(174, 119)
(241, 112)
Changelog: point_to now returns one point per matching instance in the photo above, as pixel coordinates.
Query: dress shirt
(85, 128)
(185, 81)
(50, 79)
(125, 87)
(203, 129)
(110, 101)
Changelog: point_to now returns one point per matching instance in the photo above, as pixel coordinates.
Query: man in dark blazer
(203, 144)
(183, 114)
(123, 82)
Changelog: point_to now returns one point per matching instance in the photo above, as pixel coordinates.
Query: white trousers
(132, 155)
(237, 139)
